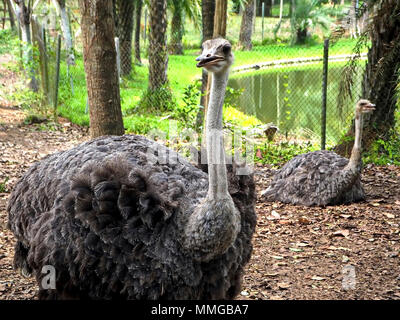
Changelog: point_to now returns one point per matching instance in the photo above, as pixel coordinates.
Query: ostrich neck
(356, 151)
(215, 223)
(218, 184)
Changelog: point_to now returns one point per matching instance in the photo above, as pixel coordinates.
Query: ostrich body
(322, 177)
(115, 221)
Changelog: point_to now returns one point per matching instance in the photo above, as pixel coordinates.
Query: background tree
(101, 68)
(305, 15)
(180, 9)
(158, 55)
(246, 27)
(207, 18)
(138, 16)
(66, 29)
(124, 14)
(10, 14)
(278, 25)
(24, 13)
(380, 76)
(220, 17)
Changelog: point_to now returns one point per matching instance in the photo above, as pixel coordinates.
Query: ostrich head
(364, 106)
(216, 56)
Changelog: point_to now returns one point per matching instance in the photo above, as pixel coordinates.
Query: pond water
(291, 97)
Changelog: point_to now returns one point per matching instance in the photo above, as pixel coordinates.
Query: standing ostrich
(116, 222)
(322, 177)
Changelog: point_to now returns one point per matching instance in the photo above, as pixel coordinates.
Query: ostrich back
(110, 219)
(316, 178)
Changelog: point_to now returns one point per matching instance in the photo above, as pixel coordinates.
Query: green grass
(182, 71)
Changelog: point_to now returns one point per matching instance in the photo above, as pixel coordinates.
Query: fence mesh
(278, 84)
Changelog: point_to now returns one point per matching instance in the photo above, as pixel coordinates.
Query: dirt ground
(338, 252)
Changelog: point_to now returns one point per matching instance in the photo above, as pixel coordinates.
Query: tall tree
(124, 14)
(158, 55)
(180, 9)
(207, 16)
(101, 67)
(246, 27)
(66, 29)
(220, 17)
(24, 13)
(305, 15)
(380, 76)
(138, 16)
(175, 44)
(278, 25)
(11, 14)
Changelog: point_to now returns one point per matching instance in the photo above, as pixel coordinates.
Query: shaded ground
(338, 252)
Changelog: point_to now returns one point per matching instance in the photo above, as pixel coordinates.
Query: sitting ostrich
(322, 177)
(115, 222)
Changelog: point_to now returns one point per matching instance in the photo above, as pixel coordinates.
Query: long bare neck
(218, 183)
(356, 151)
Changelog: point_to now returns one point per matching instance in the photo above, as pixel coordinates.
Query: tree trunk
(158, 55)
(301, 36)
(246, 27)
(138, 15)
(101, 68)
(11, 15)
(220, 18)
(278, 25)
(175, 45)
(380, 77)
(66, 29)
(207, 15)
(124, 13)
(24, 18)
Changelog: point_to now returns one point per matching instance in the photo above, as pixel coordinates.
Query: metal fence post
(262, 21)
(324, 93)
(57, 79)
(116, 39)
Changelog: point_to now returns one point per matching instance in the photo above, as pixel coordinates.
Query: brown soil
(338, 252)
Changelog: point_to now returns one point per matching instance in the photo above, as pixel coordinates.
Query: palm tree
(381, 73)
(123, 15)
(180, 8)
(138, 15)
(158, 55)
(307, 14)
(246, 27)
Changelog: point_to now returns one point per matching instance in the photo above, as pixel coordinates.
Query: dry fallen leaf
(283, 285)
(343, 233)
(317, 278)
(304, 220)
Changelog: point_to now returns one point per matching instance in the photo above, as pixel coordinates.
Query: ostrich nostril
(209, 55)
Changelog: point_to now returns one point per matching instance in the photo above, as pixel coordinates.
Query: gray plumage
(322, 178)
(316, 178)
(113, 224)
(127, 218)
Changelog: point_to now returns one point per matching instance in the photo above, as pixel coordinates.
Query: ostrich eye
(226, 49)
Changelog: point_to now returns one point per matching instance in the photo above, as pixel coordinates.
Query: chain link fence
(279, 84)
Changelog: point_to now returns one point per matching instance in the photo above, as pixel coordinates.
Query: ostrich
(116, 221)
(322, 177)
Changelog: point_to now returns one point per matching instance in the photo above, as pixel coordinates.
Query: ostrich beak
(370, 107)
(208, 60)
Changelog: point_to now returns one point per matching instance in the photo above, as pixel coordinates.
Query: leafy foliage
(186, 112)
(385, 152)
(311, 13)
(277, 154)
